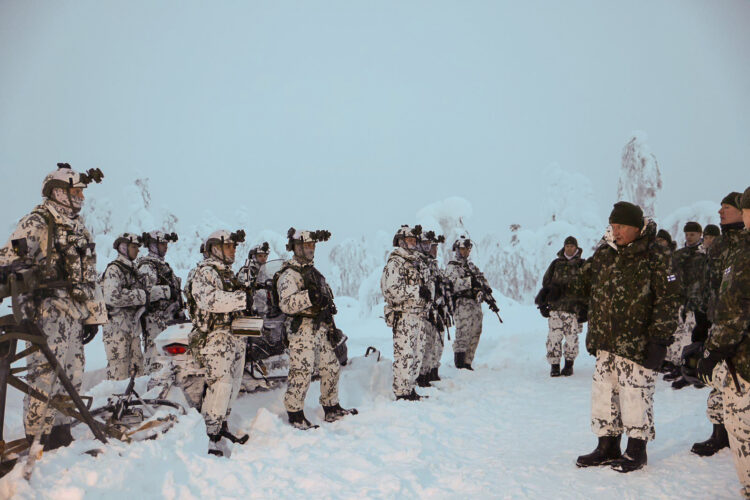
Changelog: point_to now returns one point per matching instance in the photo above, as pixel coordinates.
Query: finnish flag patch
(671, 278)
(728, 271)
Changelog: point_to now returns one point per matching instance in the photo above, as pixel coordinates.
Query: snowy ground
(505, 430)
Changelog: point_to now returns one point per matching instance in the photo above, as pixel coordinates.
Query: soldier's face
(729, 215)
(261, 258)
(692, 237)
(305, 250)
(132, 251)
(433, 251)
(624, 235)
(228, 250)
(162, 246)
(465, 252)
(746, 217)
(411, 242)
(571, 249)
(708, 240)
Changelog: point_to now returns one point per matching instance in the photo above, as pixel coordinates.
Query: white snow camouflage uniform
(218, 300)
(126, 298)
(433, 341)
(60, 313)
(155, 271)
(307, 337)
(467, 309)
(562, 325)
(406, 312)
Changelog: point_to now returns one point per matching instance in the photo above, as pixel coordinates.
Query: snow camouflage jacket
(123, 290)
(633, 298)
(402, 277)
(217, 294)
(689, 263)
(293, 285)
(459, 273)
(719, 255)
(732, 310)
(562, 271)
(63, 249)
(156, 271)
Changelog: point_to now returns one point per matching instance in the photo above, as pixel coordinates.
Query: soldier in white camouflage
(439, 316)
(70, 307)
(468, 284)
(215, 298)
(307, 300)
(256, 257)
(154, 270)
(408, 297)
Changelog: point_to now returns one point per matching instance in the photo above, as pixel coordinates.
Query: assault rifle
(444, 304)
(481, 284)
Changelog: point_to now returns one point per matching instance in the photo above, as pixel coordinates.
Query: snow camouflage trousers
(715, 403)
(154, 324)
(682, 337)
(63, 334)
(429, 349)
(223, 357)
(409, 333)
(122, 344)
(303, 346)
(737, 422)
(468, 317)
(622, 398)
(562, 325)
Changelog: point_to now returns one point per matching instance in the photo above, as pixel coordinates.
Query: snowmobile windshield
(267, 270)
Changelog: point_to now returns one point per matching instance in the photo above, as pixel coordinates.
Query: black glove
(424, 293)
(583, 315)
(317, 299)
(554, 293)
(544, 310)
(702, 325)
(706, 366)
(248, 301)
(655, 354)
(89, 332)
(475, 284)
(541, 297)
(691, 354)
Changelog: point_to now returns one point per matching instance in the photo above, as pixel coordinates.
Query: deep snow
(505, 430)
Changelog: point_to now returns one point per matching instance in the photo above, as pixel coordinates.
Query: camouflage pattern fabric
(306, 338)
(248, 273)
(722, 252)
(682, 336)
(125, 299)
(561, 272)
(213, 287)
(562, 325)
(715, 402)
(622, 398)
(690, 265)
(223, 356)
(633, 298)
(467, 306)
(429, 351)
(737, 423)
(154, 270)
(60, 313)
(409, 334)
(432, 336)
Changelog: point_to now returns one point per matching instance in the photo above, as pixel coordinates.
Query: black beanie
(745, 200)
(711, 230)
(627, 214)
(693, 227)
(733, 199)
(570, 240)
(664, 235)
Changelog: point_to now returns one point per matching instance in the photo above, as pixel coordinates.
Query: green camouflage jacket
(719, 255)
(732, 309)
(689, 263)
(632, 297)
(562, 271)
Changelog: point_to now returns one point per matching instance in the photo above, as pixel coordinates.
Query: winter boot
(673, 375)
(459, 359)
(336, 412)
(298, 420)
(554, 370)
(422, 381)
(607, 451)
(433, 375)
(718, 440)
(567, 370)
(224, 432)
(634, 457)
(413, 396)
(215, 445)
(668, 367)
(679, 383)
(58, 437)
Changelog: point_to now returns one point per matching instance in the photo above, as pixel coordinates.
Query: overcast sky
(352, 115)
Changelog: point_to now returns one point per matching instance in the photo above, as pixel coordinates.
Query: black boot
(606, 451)
(718, 440)
(679, 383)
(634, 457)
(214, 447)
(567, 370)
(412, 396)
(459, 358)
(298, 420)
(554, 370)
(433, 377)
(58, 437)
(673, 375)
(422, 381)
(336, 412)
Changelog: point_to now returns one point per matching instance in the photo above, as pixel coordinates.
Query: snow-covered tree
(640, 179)
(446, 217)
(352, 263)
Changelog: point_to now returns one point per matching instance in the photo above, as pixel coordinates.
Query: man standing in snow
(468, 290)
(307, 300)
(719, 255)
(632, 299)
(437, 315)
(68, 307)
(726, 341)
(155, 271)
(215, 298)
(256, 257)
(689, 264)
(408, 297)
(565, 311)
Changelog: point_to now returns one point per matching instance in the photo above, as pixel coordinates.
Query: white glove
(159, 292)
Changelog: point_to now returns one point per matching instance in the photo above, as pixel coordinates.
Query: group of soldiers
(423, 301)
(652, 308)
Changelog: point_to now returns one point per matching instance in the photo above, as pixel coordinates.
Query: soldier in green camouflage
(727, 341)
(723, 250)
(565, 311)
(632, 300)
(689, 263)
